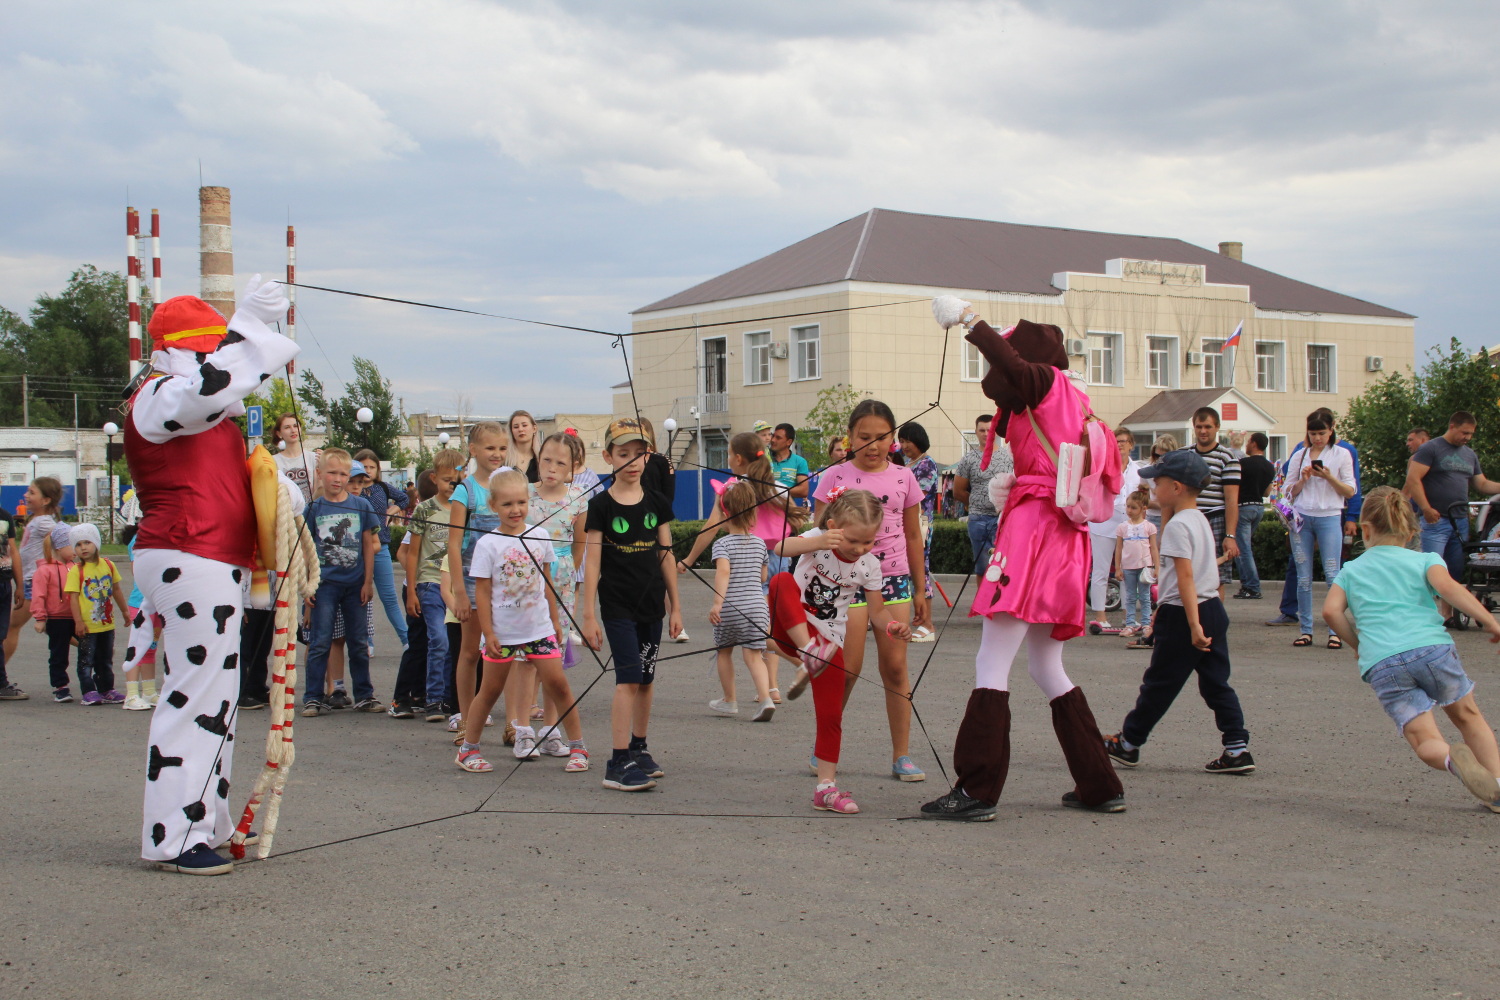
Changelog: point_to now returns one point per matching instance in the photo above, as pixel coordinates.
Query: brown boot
(1083, 747)
(981, 755)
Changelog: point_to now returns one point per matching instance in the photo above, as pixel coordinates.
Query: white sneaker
(489, 720)
(766, 711)
(721, 707)
(923, 634)
(682, 636)
(525, 748)
(454, 722)
(136, 704)
(154, 699)
(554, 745)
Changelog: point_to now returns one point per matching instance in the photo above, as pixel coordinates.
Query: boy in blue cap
(1191, 627)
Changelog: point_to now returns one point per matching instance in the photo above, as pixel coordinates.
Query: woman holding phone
(1320, 477)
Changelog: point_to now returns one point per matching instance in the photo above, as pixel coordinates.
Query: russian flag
(1234, 338)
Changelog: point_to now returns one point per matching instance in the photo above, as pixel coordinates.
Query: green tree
(1380, 417)
(828, 419)
(73, 343)
(276, 397)
(369, 388)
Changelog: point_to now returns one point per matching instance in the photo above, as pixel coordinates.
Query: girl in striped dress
(740, 616)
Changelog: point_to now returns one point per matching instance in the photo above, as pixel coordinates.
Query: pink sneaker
(832, 800)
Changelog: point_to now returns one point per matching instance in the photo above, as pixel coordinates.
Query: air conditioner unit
(1195, 357)
(778, 349)
(1077, 347)
(1374, 364)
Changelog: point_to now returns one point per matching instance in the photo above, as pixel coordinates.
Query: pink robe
(1041, 556)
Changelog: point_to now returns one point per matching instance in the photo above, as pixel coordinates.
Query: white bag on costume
(1072, 460)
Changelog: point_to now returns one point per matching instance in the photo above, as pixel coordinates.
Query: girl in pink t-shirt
(1135, 551)
(898, 546)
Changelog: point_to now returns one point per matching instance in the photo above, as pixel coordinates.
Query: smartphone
(1317, 463)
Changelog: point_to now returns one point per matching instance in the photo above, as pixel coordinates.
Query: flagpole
(1233, 343)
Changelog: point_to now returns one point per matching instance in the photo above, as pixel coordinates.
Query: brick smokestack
(216, 251)
(1234, 251)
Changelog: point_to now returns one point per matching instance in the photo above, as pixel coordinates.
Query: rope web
(665, 552)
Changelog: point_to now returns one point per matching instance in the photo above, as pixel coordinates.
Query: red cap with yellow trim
(186, 322)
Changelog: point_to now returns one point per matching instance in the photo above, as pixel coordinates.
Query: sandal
(776, 696)
(578, 760)
(1334, 642)
(1303, 640)
(470, 760)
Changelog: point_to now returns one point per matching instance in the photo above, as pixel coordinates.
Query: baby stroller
(1481, 555)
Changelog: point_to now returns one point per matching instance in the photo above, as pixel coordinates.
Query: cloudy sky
(572, 161)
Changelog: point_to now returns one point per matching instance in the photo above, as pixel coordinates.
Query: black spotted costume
(193, 550)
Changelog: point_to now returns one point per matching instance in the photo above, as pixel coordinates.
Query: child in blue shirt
(345, 528)
(1405, 653)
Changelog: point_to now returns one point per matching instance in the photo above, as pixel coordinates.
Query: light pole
(110, 430)
(363, 416)
(33, 467)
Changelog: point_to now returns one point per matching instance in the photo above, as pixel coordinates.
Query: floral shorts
(893, 590)
(537, 649)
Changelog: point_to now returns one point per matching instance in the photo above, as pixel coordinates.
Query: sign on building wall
(1162, 273)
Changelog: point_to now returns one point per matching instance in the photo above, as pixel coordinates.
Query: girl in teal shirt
(1405, 654)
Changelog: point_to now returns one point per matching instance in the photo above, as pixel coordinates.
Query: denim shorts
(893, 590)
(1418, 681)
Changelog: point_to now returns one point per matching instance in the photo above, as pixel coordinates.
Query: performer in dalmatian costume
(1032, 592)
(193, 552)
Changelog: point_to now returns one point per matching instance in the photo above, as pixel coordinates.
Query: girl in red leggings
(810, 612)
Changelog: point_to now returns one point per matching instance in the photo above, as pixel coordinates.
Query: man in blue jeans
(1256, 474)
(345, 529)
(1438, 478)
(971, 486)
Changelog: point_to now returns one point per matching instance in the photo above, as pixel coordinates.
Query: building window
(758, 358)
(1215, 365)
(1321, 359)
(1104, 359)
(715, 448)
(1161, 362)
(975, 365)
(715, 375)
(1270, 366)
(1276, 453)
(807, 359)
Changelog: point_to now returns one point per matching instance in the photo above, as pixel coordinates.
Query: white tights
(999, 643)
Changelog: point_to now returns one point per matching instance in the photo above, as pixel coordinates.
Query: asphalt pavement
(1341, 868)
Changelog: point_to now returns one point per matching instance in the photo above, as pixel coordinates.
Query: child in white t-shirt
(517, 615)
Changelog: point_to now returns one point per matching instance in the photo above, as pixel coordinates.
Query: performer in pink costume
(1035, 586)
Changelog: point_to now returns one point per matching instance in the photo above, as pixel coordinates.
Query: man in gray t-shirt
(971, 486)
(1439, 476)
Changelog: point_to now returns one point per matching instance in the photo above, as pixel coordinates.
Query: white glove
(949, 310)
(263, 301)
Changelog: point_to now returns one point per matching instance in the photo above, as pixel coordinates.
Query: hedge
(951, 552)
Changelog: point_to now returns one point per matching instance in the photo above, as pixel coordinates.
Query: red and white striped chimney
(215, 250)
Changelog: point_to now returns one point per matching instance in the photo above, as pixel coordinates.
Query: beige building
(1146, 319)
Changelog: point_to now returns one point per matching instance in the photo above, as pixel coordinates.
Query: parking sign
(253, 421)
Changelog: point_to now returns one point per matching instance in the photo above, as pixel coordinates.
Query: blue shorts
(1418, 681)
(893, 590)
(634, 646)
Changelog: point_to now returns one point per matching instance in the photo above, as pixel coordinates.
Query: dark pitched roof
(942, 252)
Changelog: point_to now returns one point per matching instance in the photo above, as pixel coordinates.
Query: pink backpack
(1102, 476)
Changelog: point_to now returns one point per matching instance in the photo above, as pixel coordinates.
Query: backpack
(1088, 476)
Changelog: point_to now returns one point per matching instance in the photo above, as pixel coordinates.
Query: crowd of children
(508, 572)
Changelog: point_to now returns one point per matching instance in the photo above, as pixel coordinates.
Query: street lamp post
(33, 467)
(363, 416)
(110, 430)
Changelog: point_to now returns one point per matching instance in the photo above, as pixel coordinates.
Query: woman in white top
(1320, 478)
(293, 463)
(1102, 535)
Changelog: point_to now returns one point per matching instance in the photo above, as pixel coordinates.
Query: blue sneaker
(812, 764)
(626, 776)
(904, 769)
(648, 765)
(200, 860)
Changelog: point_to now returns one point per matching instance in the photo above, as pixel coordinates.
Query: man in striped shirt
(1220, 499)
